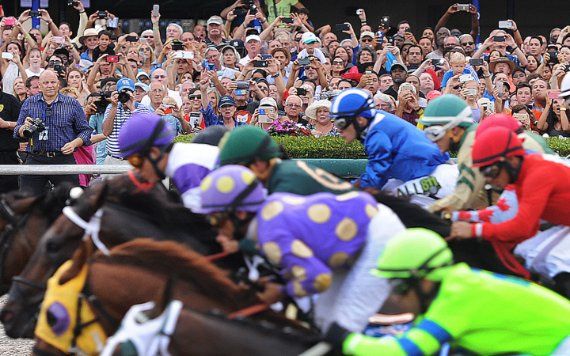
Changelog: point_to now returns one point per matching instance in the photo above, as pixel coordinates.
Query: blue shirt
(397, 149)
(468, 70)
(211, 119)
(96, 122)
(121, 116)
(173, 122)
(63, 119)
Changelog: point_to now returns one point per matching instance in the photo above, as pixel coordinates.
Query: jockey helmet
(444, 113)
(142, 132)
(245, 144)
(502, 120)
(415, 253)
(495, 145)
(231, 188)
(211, 135)
(350, 104)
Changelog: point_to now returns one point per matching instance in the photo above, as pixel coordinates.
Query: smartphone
(208, 66)
(260, 64)
(470, 91)
(341, 27)
(102, 14)
(505, 25)
(113, 23)
(264, 115)
(10, 21)
(184, 55)
(155, 10)
(436, 62)
(7, 55)
(301, 91)
(523, 118)
(112, 59)
(465, 78)
(177, 45)
(131, 39)
(253, 9)
(265, 56)
(305, 61)
(463, 7)
(384, 20)
(58, 39)
(475, 62)
(194, 118)
(34, 13)
(287, 20)
(499, 38)
(242, 84)
(553, 94)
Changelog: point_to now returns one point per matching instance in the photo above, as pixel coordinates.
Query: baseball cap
(252, 37)
(125, 83)
(367, 34)
(226, 100)
(143, 86)
(142, 74)
(309, 37)
(268, 101)
(215, 20)
(398, 64)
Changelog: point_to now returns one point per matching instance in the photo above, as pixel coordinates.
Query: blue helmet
(352, 103)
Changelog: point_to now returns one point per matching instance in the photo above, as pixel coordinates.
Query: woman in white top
(33, 61)
(11, 68)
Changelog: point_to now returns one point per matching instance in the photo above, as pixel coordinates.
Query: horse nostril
(6, 316)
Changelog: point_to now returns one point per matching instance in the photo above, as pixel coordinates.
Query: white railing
(61, 169)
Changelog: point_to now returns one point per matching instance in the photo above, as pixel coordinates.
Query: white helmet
(565, 86)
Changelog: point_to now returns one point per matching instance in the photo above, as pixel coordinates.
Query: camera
(72, 2)
(102, 14)
(36, 126)
(177, 45)
(102, 100)
(124, 96)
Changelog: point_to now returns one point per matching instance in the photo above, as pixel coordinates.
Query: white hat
(268, 101)
(252, 37)
(309, 37)
(367, 34)
(215, 20)
(311, 111)
(565, 86)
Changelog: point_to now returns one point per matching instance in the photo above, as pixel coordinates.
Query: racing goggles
(435, 133)
(136, 160)
(491, 171)
(342, 123)
(216, 219)
(400, 286)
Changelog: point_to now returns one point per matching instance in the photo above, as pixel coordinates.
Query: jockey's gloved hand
(335, 336)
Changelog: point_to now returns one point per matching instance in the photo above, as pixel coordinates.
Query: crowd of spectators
(264, 64)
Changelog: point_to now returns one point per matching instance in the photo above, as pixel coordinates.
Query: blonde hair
(70, 91)
(457, 57)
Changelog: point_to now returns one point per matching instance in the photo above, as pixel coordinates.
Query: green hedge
(335, 147)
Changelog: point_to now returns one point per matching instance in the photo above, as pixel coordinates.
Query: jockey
(147, 143)
(253, 147)
(396, 149)
(542, 192)
(323, 243)
(482, 312)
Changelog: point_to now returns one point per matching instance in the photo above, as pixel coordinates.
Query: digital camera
(36, 126)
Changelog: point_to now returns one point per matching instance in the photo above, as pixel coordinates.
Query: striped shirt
(63, 119)
(121, 116)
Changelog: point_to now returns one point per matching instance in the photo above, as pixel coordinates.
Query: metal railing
(61, 169)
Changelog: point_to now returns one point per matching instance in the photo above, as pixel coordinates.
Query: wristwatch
(563, 108)
(276, 75)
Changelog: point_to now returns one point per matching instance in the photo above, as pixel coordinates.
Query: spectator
(553, 120)
(63, 128)
(320, 121)
(9, 111)
(398, 72)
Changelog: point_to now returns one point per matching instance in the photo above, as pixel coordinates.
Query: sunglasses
(158, 76)
(492, 171)
(338, 62)
(195, 97)
(467, 43)
(399, 286)
(136, 160)
(366, 40)
(342, 123)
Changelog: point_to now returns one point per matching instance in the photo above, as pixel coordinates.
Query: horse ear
(98, 194)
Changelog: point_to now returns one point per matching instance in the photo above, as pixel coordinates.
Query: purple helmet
(231, 188)
(143, 131)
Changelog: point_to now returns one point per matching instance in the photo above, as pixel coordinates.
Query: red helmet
(501, 120)
(495, 144)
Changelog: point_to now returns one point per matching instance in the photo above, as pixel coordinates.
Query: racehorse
(127, 213)
(23, 220)
(133, 272)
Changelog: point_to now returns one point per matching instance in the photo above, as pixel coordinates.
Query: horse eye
(52, 246)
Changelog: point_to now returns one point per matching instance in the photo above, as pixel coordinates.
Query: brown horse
(136, 271)
(127, 214)
(23, 220)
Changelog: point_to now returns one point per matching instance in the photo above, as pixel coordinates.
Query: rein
(141, 186)
(248, 311)
(91, 227)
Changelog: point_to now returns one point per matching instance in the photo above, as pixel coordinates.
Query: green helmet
(245, 144)
(414, 253)
(447, 109)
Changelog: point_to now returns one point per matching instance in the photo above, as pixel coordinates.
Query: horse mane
(174, 259)
(54, 201)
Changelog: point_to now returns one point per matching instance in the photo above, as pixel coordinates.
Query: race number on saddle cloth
(188, 164)
(64, 306)
(327, 244)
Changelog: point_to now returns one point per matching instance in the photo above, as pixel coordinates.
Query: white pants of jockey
(548, 252)
(439, 184)
(563, 348)
(355, 294)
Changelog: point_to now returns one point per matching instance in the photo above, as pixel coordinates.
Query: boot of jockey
(472, 309)
(541, 187)
(449, 123)
(148, 145)
(396, 150)
(253, 148)
(322, 244)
